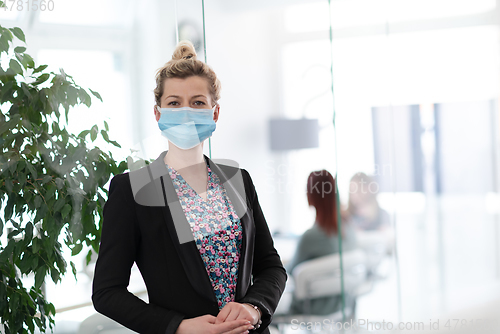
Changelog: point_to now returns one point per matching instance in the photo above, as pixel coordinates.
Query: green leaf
(42, 78)
(14, 233)
(15, 66)
(20, 49)
(96, 94)
(41, 212)
(105, 135)
(28, 62)
(4, 127)
(93, 133)
(31, 169)
(59, 204)
(55, 275)
(21, 165)
(76, 250)
(21, 177)
(51, 189)
(84, 97)
(40, 276)
(72, 94)
(65, 210)
(9, 185)
(59, 183)
(84, 133)
(40, 68)
(52, 308)
(38, 201)
(29, 232)
(26, 91)
(11, 124)
(106, 126)
(14, 301)
(46, 178)
(88, 257)
(63, 74)
(7, 251)
(16, 224)
(31, 326)
(18, 33)
(37, 244)
(73, 268)
(4, 42)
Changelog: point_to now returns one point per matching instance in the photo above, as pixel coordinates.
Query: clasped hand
(234, 318)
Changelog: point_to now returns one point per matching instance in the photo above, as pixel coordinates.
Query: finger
(210, 318)
(233, 327)
(234, 314)
(221, 317)
(242, 329)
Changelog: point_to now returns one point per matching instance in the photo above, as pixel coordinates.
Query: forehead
(186, 87)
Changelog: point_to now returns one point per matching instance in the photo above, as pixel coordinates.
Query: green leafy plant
(51, 182)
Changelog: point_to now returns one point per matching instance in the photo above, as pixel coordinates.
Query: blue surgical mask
(186, 127)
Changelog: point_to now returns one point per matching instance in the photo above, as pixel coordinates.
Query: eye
(173, 103)
(199, 103)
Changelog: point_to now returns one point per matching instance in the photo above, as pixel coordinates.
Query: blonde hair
(184, 64)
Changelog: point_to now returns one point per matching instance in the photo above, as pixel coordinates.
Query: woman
(201, 243)
(322, 239)
(363, 209)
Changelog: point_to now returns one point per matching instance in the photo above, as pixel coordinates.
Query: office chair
(321, 277)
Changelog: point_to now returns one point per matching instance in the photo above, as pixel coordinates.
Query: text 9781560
(27, 5)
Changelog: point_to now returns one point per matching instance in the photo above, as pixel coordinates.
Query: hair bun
(184, 50)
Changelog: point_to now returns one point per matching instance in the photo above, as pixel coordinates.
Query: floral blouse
(216, 229)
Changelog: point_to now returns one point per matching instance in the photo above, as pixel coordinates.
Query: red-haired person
(322, 239)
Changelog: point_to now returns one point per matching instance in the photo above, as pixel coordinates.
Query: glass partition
(414, 148)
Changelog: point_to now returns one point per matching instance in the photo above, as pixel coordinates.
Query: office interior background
(415, 100)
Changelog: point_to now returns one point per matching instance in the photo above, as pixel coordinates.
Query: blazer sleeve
(269, 275)
(120, 239)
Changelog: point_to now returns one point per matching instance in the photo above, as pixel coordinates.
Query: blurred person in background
(322, 239)
(363, 210)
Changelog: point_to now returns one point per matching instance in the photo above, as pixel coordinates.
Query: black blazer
(143, 222)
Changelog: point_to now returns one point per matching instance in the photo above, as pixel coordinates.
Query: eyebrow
(176, 96)
(196, 96)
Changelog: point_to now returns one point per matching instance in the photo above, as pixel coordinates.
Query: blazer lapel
(180, 231)
(232, 181)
